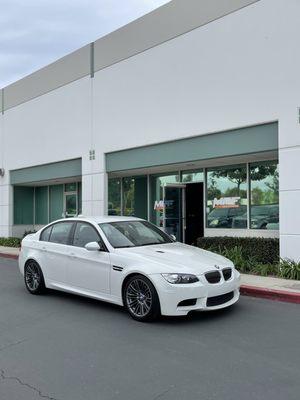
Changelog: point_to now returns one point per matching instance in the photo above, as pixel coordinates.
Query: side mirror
(92, 246)
(173, 237)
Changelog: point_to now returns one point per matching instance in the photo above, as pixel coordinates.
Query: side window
(84, 233)
(61, 232)
(46, 234)
(232, 212)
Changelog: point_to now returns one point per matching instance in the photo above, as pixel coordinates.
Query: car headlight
(214, 222)
(180, 278)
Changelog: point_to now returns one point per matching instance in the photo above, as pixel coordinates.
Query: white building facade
(188, 117)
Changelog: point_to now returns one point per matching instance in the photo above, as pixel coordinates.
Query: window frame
(56, 223)
(227, 167)
(206, 169)
(255, 164)
(47, 227)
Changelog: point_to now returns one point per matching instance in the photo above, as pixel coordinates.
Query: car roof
(102, 219)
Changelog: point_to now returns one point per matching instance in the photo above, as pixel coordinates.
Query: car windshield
(123, 234)
(264, 210)
(218, 212)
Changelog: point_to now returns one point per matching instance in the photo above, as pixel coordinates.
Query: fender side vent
(116, 268)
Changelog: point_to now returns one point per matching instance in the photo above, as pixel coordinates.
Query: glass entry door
(174, 210)
(70, 209)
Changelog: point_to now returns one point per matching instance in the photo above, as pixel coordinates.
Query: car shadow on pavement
(194, 317)
(202, 316)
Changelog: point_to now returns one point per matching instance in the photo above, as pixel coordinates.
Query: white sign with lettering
(226, 202)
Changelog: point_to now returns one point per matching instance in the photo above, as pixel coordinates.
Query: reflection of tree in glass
(267, 175)
(213, 191)
(237, 176)
(188, 178)
(257, 196)
(274, 185)
(128, 188)
(261, 171)
(114, 192)
(232, 192)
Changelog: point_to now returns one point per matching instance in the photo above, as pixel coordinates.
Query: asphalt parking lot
(64, 347)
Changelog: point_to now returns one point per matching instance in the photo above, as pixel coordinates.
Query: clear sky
(34, 33)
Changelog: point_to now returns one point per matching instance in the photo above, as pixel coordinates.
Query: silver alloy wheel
(32, 276)
(139, 298)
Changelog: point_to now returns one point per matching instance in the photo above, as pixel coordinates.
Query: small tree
(235, 175)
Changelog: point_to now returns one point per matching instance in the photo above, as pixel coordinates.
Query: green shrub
(260, 250)
(10, 242)
(235, 254)
(259, 256)
(289, 269)
(28, 233)
(265, 269)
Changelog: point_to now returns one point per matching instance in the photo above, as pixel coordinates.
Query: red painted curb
(271, 294)
(13, 256)
(245, 290)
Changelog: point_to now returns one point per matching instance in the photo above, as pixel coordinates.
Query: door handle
(72, 255)
(44, 248)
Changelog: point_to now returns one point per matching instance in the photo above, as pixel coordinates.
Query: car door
(88, 270)
(55, 246)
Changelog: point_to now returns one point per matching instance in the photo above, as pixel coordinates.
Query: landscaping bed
(10, 242)
(258, 256)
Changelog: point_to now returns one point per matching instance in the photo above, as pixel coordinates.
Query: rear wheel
(34, 279)
(141, 299)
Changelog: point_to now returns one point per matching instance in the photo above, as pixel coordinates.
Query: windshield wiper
(151, 244)
(123, 247)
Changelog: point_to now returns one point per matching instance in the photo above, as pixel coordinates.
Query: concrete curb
(245, 290)
(271, 294)
(13, 256)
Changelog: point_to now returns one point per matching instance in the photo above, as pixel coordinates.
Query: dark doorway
(194, 212)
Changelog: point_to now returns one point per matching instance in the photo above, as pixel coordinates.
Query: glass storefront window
(135, 197)
(264, 212)
(192, 176)
(70, 205)
(71, 187)
(79, 198)
(227, 197)
(156, 206)
(114, 196)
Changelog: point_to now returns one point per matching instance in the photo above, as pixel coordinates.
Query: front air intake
(187, 303)
(219, 300)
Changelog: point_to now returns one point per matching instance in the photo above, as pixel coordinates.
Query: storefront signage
(226, 202)
(160, 204)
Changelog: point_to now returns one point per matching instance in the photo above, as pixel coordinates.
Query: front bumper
(171, 295)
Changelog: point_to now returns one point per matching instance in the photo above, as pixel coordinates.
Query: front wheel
(141, 299)
(34, 279)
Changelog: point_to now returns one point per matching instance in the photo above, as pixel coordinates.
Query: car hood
(176, 258)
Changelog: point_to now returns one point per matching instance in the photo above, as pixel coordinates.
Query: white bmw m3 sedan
(130, 262)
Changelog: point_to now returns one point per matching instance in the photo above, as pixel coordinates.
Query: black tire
(141, 299)
(34, 278)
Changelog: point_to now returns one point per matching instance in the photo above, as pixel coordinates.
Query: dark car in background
(262, 217)
(224, 217)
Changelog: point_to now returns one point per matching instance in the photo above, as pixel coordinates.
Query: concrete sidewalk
(9, 252)
(251, 285)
